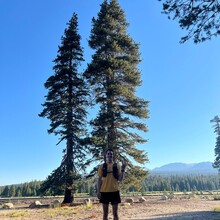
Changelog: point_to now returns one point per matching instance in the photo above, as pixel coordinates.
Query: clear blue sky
(181, 81)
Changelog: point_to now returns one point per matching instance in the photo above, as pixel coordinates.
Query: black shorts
(110, 197)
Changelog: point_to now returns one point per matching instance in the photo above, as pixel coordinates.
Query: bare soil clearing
(154, 208)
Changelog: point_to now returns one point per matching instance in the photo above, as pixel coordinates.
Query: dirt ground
(153, 208)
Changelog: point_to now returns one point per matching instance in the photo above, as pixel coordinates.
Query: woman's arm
(120, 178)
(99, 187)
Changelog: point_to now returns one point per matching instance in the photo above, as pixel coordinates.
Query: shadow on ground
(202, 215)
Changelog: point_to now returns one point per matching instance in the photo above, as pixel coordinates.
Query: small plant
(217, 197)
(7, 206)
(89, 204)
(217, 209)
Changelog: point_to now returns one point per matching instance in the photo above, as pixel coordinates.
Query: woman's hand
(124, 164)
(99, 195)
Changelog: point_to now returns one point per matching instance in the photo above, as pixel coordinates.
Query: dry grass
(14, 214)
(217, 209)
(65, 212)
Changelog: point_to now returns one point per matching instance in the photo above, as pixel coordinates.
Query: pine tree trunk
(69, 191)
(69, 195)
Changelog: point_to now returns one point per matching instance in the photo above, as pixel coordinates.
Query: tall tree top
(114, 75)
(216, 126)
(110, 22)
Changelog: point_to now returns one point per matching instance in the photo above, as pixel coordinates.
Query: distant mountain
(204, 168)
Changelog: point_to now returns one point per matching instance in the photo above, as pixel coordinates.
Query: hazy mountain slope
(183, 168)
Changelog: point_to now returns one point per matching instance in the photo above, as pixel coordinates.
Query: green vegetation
(182, 183)
(21, 190)
(152, 184)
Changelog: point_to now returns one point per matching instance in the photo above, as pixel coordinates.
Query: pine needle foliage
(199, 17)
(134, 179)
(114, 77)
(65, 107)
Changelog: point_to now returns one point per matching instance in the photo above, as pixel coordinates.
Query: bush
(216, 197)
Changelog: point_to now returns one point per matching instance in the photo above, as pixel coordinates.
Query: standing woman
(110, 174)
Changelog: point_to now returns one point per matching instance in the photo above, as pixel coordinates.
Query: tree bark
(69, 195)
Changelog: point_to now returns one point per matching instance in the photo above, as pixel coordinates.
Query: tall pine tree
(216, 121)
(114, 76)
(65, 107)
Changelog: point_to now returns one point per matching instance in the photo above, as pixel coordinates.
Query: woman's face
(109, 156)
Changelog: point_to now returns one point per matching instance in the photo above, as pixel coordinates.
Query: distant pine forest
(152, 183)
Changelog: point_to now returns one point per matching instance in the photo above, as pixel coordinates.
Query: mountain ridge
(185, 168)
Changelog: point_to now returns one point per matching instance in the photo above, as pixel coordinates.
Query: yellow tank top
(109, 183)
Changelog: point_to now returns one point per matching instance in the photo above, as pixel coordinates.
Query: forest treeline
(151, 183)
(182, 183)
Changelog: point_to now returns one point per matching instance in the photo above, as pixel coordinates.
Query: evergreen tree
(188, 187)
(114, 76)
(24, 190)
(134, 179)
(28, 191)
(199, 17)
(18, 192)
(5, 192)
(216, 121)
(12, 191)
(65, 107)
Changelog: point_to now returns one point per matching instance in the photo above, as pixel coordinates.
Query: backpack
(114, 170)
